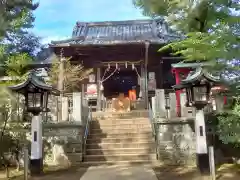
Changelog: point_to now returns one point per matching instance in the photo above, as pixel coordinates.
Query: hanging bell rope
(103, 80)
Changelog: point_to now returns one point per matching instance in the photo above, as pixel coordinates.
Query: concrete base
(36, 166)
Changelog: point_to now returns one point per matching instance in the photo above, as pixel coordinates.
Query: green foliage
(229, 125)
(17, 47)
(15, 14)
(16, 17)
(211, 29)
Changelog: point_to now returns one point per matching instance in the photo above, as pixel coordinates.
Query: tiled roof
(120, 32)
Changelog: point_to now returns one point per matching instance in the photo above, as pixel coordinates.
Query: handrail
(86, 131)
(152, 121)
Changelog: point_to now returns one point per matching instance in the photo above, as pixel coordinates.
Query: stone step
(120, 157)
(115, 121)
(147, 144)
(120, 135)
(117, 125)
(118, 151)
(121, 163)
(115, 131)
(119, 140)
(122, 115)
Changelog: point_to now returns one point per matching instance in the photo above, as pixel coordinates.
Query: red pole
(178, 81)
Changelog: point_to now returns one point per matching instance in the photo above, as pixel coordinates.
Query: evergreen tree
(15, 15)
(212, 33)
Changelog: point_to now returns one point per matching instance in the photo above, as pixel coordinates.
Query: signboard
(151, 81)
(151, 75)
(151, 85)
(91, 89)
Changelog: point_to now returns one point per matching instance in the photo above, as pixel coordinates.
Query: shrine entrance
(120, 82)
(121, 88)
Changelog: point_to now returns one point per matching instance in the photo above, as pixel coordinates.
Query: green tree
(210, 27)
(11, 111)
(15, 15)
(211, 33)
(15, 18)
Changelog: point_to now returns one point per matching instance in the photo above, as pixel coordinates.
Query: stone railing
(174, 136)
(164, 105)
(63, 143)
(63, 140)
(176, 141)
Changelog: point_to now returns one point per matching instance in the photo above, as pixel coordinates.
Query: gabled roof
(199, 74)
(119, 32)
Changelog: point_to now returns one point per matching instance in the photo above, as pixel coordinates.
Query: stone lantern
(36, 93)
(197, 86)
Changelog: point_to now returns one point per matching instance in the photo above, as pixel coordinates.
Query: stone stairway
(120, 138)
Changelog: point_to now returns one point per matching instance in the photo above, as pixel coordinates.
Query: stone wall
(176, 141)
(63, 143)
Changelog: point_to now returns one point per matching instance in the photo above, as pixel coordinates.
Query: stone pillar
(154, 106)
(65, 107)
(183, 103)
(99, 89)
(160, 103)
(186, 111)
(77, 107)
(36, 162)
(172, 97)
(201, 142)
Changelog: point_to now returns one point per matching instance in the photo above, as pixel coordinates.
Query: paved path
(120, 173)
(104, 173)
(135, 172)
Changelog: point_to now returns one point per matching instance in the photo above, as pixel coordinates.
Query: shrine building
(123, 55)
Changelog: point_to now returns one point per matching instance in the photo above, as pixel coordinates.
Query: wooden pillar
(99, 89)
(143, 85)
(146, 73)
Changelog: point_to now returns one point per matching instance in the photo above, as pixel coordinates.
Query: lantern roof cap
(195, 77)
(199, 74)
(36, 82)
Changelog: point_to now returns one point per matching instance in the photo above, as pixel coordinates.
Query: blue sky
(55, 19)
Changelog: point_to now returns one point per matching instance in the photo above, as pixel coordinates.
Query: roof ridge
(96, 23)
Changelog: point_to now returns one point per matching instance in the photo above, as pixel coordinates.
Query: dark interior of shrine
(120, 82)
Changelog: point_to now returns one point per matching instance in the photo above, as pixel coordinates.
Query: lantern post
(197, 86)
(36, 94)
